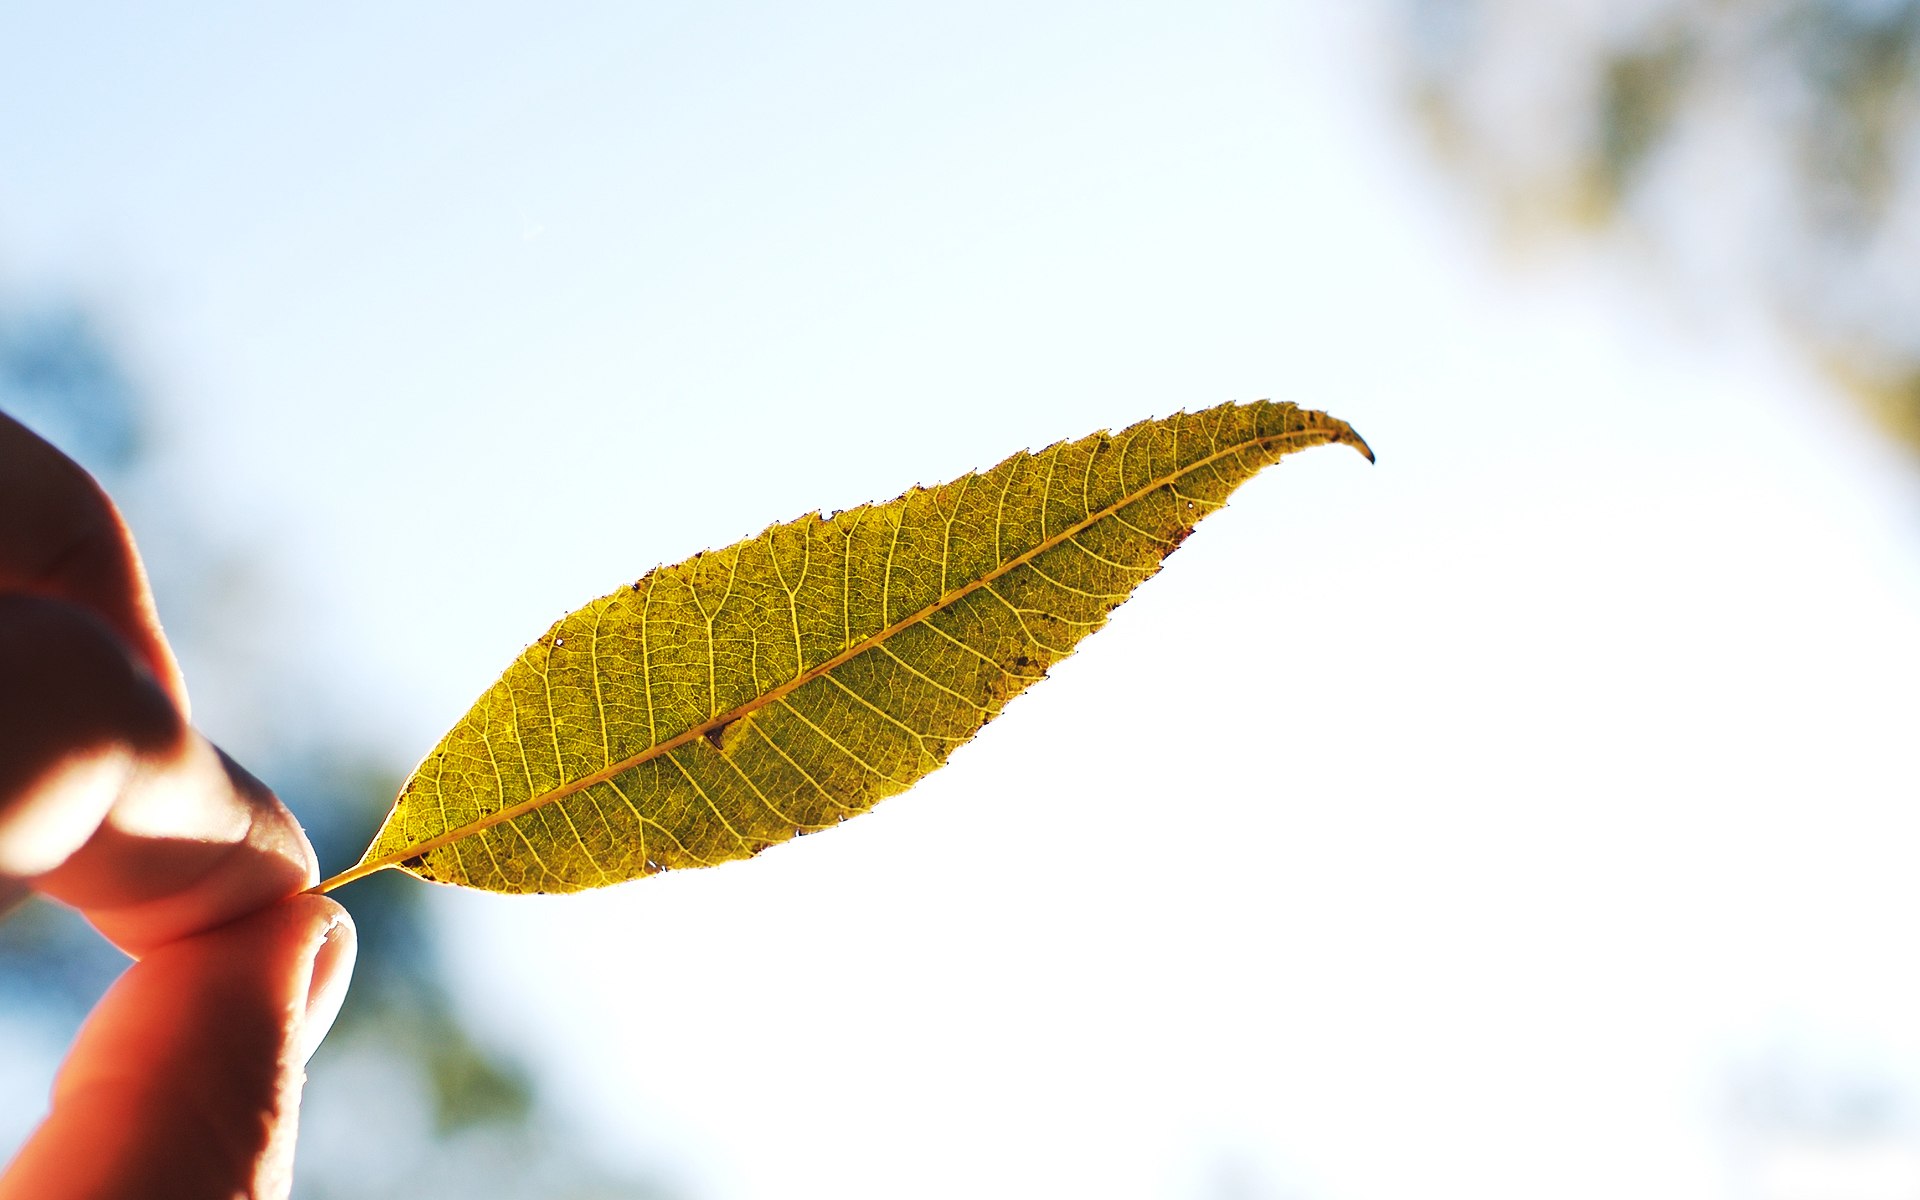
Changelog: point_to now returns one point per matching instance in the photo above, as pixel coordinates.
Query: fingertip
(275, 832)
(185, 851)
(333, 961)
(111, 803)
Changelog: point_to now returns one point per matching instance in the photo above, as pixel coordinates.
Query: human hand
(185, 1080)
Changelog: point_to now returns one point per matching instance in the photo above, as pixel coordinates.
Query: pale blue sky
(1458, 826)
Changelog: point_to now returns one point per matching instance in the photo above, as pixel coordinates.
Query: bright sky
(1470, 825)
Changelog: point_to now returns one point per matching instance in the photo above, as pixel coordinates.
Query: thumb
(185, 1082)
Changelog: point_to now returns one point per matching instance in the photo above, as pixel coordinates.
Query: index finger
(63, 539)
(108, 799)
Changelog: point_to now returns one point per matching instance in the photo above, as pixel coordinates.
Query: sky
(1530, 810)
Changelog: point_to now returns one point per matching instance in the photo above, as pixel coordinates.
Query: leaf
(748, 695)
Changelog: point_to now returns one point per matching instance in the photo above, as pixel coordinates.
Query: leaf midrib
(368, 866)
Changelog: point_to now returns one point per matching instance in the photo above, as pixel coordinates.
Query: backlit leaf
(716, 707)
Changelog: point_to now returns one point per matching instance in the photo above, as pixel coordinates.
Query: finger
(186, 1079)
(61, 537)
(111, 803)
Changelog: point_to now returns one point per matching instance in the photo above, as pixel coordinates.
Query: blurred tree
(403, 1100)
(1769, 146)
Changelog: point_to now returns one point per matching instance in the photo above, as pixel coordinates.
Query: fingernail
(332, 969)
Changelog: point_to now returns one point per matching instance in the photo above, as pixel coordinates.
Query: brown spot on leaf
(717, 736)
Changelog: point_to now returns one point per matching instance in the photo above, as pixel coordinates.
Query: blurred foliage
(1769, 146)
(402, 1080)
(56, 369)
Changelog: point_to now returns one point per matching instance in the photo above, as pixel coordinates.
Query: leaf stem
(359, 870)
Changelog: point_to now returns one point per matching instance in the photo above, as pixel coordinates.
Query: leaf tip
(1348, 436)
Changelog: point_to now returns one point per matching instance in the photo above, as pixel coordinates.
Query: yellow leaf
(781, 685)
